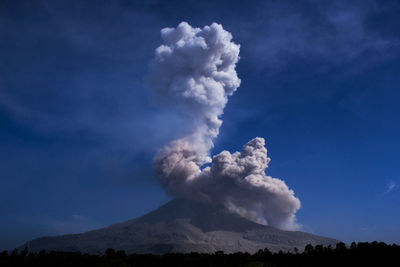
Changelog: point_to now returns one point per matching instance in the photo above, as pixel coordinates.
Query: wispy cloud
(335, 34)
(72, 224)
(390, 187)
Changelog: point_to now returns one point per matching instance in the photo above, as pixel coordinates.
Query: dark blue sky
(320, 81)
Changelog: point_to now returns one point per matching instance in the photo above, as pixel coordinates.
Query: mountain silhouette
(182, 226)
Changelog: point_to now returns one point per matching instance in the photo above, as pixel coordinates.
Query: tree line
(360, 254)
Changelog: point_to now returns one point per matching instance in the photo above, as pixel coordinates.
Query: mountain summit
(182, 226)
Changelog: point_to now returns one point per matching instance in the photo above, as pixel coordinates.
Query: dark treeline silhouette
(361, 254)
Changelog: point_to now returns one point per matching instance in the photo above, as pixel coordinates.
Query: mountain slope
(182, 226)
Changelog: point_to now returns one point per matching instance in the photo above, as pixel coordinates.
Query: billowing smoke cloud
(194, 73)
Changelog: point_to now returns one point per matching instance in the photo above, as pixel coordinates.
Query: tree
(309, 248)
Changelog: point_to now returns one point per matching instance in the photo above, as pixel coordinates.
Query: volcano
(182, 226)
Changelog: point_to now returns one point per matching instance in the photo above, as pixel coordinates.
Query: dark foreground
(361, 254)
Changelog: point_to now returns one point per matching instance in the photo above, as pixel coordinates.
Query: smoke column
(194, 73)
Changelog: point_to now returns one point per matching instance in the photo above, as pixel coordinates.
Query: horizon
(79, 127)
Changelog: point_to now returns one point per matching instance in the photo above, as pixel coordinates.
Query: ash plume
(193, 72)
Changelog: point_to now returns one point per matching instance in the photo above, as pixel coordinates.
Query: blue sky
(78, 130)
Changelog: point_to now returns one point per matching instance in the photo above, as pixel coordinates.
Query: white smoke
(194, 73)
